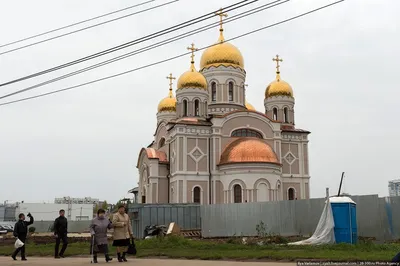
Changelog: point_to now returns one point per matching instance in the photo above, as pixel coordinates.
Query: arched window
(205, 108)
(285, 115)
(213, 91)
(196, 108)
(185, 108)
(291, 194)
(275, 114)
(231, 91)
(196, 195)
(161, 143)
(237, 194)
(245, 132)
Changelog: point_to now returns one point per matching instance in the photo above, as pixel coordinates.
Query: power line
(74, 24)
(153, 46)
(139, 40)
(172, 58)
(88, 27)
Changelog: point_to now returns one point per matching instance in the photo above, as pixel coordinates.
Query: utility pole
(69, 208)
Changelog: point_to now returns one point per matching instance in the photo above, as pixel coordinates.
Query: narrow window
(275, 115)
(196, 108)
(185, 108)
(213, 91)
(285, 114)
(205, 108)
(291, 193)
(237, 194)
(231, 91)
(196, 195)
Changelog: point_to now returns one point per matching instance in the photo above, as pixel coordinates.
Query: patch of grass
(177, 247)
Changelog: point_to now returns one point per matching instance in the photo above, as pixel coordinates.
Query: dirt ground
(6, 261)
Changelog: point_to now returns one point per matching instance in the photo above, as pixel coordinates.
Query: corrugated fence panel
(368, 219)
(185, 215)
(376, 217)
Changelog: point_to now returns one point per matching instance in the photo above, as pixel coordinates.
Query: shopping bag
(18, 243)
(132, 248)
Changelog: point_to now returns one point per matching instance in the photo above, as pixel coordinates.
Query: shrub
(32, 229)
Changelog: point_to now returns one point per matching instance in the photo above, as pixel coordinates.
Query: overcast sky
(342, 63)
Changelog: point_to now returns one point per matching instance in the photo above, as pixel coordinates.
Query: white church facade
(212, 147)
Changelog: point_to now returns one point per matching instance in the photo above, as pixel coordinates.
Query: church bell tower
(279, 101)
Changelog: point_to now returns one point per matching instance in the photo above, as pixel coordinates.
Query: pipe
(209, 170)
(169, 171)
(340, 186)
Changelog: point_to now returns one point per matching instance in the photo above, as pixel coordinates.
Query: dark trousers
(396, 258)
(22, 249)
(64, 239)
(100, 249)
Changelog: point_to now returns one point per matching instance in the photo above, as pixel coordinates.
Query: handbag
(132, 248)
(18, 243)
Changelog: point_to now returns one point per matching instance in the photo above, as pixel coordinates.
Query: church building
(211, 146)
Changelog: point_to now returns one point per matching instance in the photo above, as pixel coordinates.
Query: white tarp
(324, 234)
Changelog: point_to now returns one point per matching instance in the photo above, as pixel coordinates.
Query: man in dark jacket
(60, 232)
(21, 231)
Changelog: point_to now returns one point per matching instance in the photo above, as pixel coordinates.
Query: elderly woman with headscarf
(122, 232)
(98, 230)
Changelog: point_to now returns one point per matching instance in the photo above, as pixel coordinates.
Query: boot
(108, 258)
(94, 258)
(119, 257)
(14, 255)
(123, 257)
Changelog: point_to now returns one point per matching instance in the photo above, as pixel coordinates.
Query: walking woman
(122, 232)
(98, 230)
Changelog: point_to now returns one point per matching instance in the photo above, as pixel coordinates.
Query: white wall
(49, 211)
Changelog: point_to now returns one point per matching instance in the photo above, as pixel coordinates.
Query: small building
(394, 188)
(50, 211)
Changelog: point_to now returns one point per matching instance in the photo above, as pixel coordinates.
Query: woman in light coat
(98, 230)
(122, 232)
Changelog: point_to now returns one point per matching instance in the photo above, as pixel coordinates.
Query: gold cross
(277, 60)
(193, 49)
(221, 15)
(170, 77)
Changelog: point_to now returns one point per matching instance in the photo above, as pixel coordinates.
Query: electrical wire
(139, 40)
(88, 27)
(172, 58)
(153, 46)
(74, 24)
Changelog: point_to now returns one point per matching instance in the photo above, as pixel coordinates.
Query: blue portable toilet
(345, 218)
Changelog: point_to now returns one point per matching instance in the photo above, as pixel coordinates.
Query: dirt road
(6, 261)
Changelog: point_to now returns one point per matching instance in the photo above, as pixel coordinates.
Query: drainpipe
(209, 166)
(209, 170)
(169, 170)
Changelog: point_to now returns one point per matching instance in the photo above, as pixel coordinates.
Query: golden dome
(248, 150)
(192, 78)
(250, 107)
(278, 87)
(222, 53)
(168, 104)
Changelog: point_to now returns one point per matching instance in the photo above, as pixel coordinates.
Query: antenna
(340, 186)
